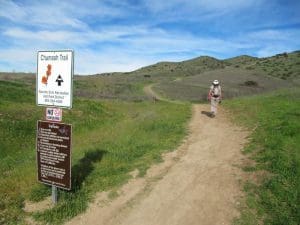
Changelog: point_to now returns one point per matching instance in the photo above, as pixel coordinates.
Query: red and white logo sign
(54, 114)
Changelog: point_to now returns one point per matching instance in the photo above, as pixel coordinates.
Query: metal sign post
(54, 194)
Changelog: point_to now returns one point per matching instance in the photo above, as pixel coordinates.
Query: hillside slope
(285, 66)
(235, 82)
(184, 68)
(188, 80)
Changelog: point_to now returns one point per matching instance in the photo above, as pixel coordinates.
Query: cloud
(11, 11)
(55, 13)
(202, 5)
(195, 10)
(18, 59)
(92, 62)
(272, 50)
(269, 42)
(43, 35)
(130, 48)
(286, 35)
(121, 36)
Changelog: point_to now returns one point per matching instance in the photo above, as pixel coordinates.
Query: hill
(184, 68)
(242, 75)
(235, 82)
(285, 66)
(240, 60)
(188, 80)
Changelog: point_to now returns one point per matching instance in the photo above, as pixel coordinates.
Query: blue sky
(125, 35)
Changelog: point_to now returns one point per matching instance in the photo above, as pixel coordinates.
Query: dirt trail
(153, 95)
(197, 184)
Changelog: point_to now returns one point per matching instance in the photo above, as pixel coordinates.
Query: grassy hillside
(239, 76)
(181, 69)
(109, 86)
(273, 197)
(241, 60)
(189, 80)
(235, 82)
(285, 66)
(110, 139)
(122, 87)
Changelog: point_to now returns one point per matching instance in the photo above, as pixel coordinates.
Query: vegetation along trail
(196, 184)
(156, 97)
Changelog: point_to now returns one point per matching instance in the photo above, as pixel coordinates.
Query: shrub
(251, 83)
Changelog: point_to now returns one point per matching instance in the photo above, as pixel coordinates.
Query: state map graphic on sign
(48, 73)
(59, 79)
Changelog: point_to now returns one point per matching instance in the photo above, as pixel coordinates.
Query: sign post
(54, 88)
(54, 194)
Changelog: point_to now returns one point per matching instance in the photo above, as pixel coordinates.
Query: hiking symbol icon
(59, 80)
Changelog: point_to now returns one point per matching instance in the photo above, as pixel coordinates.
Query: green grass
(274, 147)
(233, 81)
(121, 87)
(170, 70)
(110, 139)
(285, 66)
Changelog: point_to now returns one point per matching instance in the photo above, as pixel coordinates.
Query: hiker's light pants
(214, 104)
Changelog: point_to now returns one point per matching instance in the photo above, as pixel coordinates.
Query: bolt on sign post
(54, 90)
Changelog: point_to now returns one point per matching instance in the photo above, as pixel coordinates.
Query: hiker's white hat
(215, 82)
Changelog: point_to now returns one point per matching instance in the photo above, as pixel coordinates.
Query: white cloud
(134, 47)
(107, 47)
(92, 62)
(276, 35)
(43, 36)
(199, 8)
(138, 46)
(54, 14)
(228, 5)
(18, 59)
(273, 50)
(11, 11)
(86, 37)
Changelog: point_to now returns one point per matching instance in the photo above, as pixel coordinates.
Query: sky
(121, 36)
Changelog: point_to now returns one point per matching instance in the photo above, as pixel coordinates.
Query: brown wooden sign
(54, 153)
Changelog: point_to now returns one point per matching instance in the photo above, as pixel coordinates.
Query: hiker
(214, 96)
